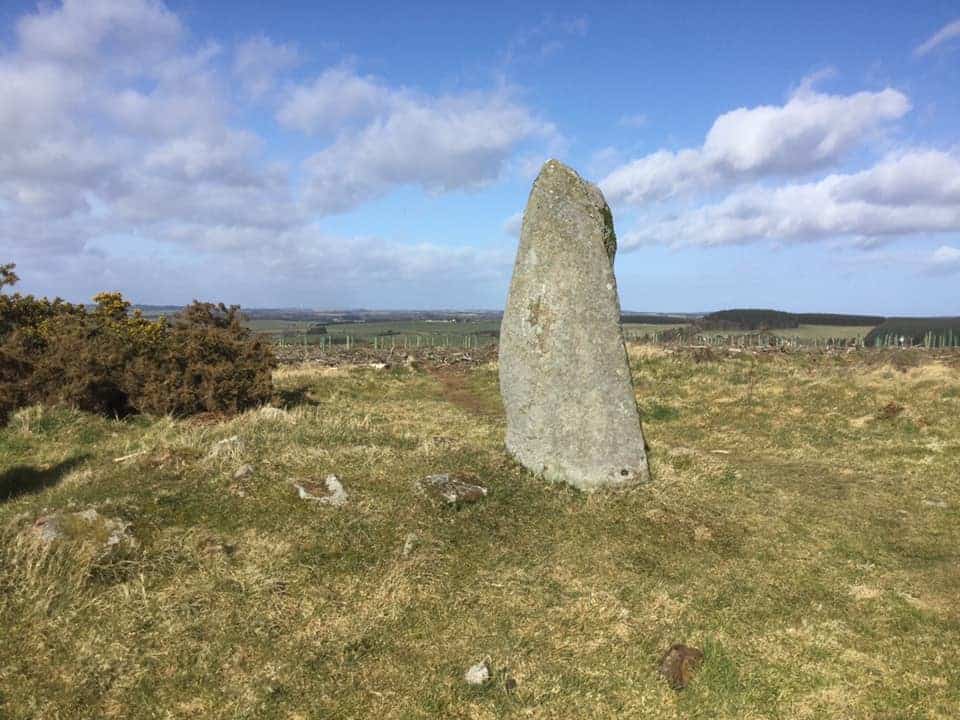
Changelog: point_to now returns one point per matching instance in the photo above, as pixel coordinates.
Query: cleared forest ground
(802, 529)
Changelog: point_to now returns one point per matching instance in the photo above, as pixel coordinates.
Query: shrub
(749, 319)
(931, 332)
(208, 362)
(114, 362)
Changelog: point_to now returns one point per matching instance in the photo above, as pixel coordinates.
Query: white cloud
(811, 131)
(913, 193)
(335, 98)
(947, 32)
(80, 31)
(439, 144)
(258, 60)
(945, 260)
(119, 134)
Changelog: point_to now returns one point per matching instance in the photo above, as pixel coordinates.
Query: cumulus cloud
(334, 98)
(94, 31)
(811, 131)
(946, 33)
(258, 60)
(945, 260)
(118, 132)
(911, 193)
(437, 143)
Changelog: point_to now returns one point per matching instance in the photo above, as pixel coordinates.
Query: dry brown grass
(809, 547)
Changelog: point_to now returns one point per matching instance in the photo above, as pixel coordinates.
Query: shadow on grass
(290, 398)
(22, 479)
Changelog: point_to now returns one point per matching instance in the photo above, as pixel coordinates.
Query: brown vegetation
(114, 362)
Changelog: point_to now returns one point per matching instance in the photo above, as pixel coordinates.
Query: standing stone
(564, 376)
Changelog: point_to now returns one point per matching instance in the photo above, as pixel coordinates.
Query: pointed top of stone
(562, 181)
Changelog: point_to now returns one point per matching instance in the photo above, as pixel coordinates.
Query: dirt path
(455, 388)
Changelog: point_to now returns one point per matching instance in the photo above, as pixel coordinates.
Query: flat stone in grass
(451, 490)
(85, 526)
(230, 446)
(243, 472)
(564, 377)
(330, 493)
(478, 674)
(679, 663)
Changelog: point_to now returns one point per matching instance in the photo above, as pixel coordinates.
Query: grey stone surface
(87, 525)
(330, 493)
(564, 376)
(478, 674)
(451, 490)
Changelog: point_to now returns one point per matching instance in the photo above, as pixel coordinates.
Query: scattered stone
(935, 503)
(478, 674)
(237, 489)
(244, 472)
(679, 663)
(269, 412)
(380, 365)
(330, 493)
(451, 490)
(86, 525)
(227, 446)
(409, 543)
(566, 385)
(411, 363)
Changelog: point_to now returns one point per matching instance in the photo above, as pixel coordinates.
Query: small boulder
(227, 446)
(679, 663)
(450, 490)
(409, 544)
(244, 472)
(478, 674)
(274, 414)
(330, 493)
(87, 525)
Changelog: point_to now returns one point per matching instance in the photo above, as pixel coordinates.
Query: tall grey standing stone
(564, 376)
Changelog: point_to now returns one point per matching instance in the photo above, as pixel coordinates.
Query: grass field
(483, 331)
(802, 528)
(431, 333)
(804, 332)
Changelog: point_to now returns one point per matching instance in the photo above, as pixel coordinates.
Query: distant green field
(804, 332)
(485, 331)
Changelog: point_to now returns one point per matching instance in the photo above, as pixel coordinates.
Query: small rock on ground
(331, 493)
(226, 446)
(83, 525)
(243, 472)
(409, 543)
(478, 674)
(451, 490)
(679, 663)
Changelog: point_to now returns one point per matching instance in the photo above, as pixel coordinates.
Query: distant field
(804, 332)
(484, 329)
(814, 332)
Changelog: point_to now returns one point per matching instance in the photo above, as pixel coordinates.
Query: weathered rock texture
(564, 376)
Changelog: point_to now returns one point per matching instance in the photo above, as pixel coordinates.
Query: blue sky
(797, 156)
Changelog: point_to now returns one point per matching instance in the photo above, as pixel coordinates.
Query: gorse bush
(112, 361)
